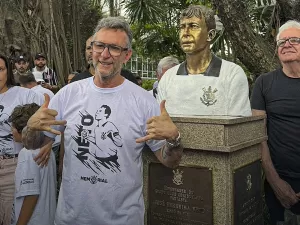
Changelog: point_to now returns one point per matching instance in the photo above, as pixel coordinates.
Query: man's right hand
(284, 193)
(44, 118)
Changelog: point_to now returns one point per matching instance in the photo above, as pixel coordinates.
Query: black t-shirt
(81, 76)
(279, 96)
(86, 74)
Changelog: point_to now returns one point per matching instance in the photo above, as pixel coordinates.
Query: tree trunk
(253, 51)
(35, 26)
(11, 33)
(289, 10)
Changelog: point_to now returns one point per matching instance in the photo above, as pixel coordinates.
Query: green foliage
(148, 84)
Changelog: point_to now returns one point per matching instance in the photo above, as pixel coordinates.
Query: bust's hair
(200, 12)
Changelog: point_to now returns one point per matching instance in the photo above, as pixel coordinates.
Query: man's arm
(27, 209)
(282, 189)
(41, 121)
(169, 156)
(162, 128)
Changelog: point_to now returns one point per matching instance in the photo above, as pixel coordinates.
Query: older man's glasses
(114, 50)
(291, 40)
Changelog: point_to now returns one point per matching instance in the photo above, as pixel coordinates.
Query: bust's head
(197, 28)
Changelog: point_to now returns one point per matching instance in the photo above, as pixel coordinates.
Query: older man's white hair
(287, 25)
(166, 63)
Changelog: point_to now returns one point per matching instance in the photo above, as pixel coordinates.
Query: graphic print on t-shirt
(6, 136)
(98, 141)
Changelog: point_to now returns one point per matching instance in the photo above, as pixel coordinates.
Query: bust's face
(193, 35)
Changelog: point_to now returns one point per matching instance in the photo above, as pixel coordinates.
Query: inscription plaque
(248, 195)
(181, 196)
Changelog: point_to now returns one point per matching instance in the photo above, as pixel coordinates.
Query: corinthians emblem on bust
(208, 98)
(178, 178)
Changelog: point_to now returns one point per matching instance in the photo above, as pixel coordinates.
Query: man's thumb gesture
(46, 102)
(163, 111)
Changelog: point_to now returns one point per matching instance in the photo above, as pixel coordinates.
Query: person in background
(10, 97)
(139, 81)
(276, 95)
(35, 195)
(163, 65)
(22, 67)
(71, 76)
(29, 81)
(48, 75)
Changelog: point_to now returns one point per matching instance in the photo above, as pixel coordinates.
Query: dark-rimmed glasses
(114, 50)
(291, 40)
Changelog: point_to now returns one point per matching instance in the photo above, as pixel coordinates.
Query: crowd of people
(100, 122)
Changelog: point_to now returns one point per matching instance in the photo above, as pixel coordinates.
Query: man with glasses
(90, 68)
(203, 84)
(277, 95)
(102, 174)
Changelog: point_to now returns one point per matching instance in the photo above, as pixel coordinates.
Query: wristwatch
(174, 143)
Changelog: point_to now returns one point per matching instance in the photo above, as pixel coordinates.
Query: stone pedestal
(219, 178)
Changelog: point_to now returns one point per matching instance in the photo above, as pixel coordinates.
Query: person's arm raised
(161, 128)
(33, 136)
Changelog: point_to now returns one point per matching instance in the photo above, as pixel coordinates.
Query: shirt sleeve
(238, 93)
(33, 97)
(29, 179)
(55, 81)
(257, 97)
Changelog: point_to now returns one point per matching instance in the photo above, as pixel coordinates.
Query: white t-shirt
(30, 179)
(38, 75)
(226, 94)
(42, 90)
(13, 97)
(102, 176)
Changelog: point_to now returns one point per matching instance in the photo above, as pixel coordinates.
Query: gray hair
(166, 63)
(287, 25)
(200, 11)
(118, 23)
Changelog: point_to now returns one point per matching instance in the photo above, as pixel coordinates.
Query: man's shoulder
(81, 76)
(268, 77)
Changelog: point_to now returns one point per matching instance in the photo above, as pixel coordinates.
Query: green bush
(148, 84)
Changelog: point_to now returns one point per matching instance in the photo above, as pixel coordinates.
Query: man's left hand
(160, 127)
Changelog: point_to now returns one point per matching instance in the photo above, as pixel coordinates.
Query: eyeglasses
(291, 40)
(114, 50)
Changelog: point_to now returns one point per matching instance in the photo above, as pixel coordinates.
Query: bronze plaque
(181, 196)
(248, 195)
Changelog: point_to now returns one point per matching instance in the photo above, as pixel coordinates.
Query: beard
(108, 76)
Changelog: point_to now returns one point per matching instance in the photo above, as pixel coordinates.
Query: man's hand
(46, 85)
(284, 193)
(43, 157)
(44, 118)
(160, 127)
